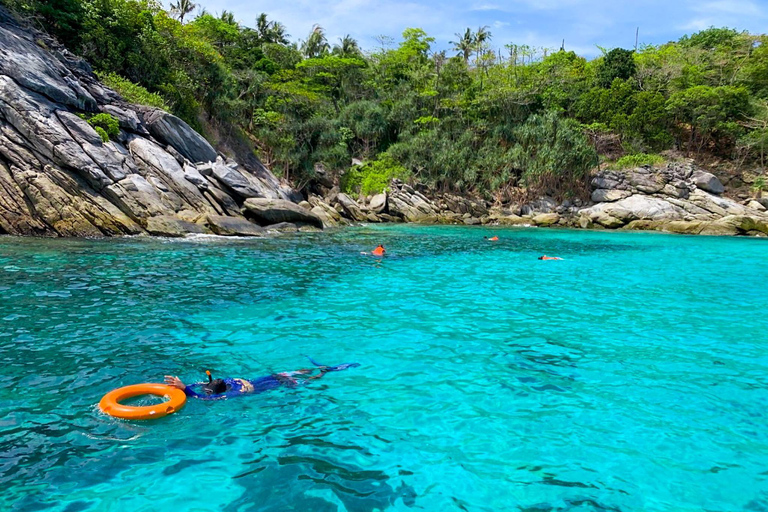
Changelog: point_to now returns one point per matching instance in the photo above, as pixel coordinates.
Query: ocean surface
(631, 375)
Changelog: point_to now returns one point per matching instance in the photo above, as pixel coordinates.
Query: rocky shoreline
(677, 198)
(158, 176)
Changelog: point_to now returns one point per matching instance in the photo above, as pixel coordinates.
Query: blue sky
(582, 23)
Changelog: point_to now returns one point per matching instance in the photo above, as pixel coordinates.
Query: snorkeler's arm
(320, 375)
(178, 384)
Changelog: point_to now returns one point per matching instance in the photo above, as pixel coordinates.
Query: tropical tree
(482, 36)
(316, 44)
(271, 31)
(464, 44)
(347, 47)
(183, 7)
(228, 17)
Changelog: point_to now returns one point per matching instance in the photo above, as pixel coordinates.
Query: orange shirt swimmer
(545, 257)
(493, 239)
(379, 251)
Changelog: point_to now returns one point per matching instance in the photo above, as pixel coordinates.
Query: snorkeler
(216, 389)
(545, 257)
(492, 239)
(378, 251)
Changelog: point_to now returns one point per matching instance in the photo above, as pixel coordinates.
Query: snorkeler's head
(215, 387)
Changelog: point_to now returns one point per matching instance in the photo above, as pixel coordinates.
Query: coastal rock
(635, 207)
(57, 177)
(30, 66)
(708, 182)
(327, 213)
(546, 219)
(283, 227)
(351, 208)
(512, 220)
(233, 226)
(234, 180)
(171, 130)
(171, 226)
(378, 203)
(274, 211)
(602, 195)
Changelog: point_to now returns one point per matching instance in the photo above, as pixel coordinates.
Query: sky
(582, 24)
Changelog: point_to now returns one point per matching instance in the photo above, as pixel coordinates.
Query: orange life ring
(111, 405)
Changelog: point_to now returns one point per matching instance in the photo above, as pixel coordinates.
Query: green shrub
(132, 92)
(102, 133)
(638, 160)
(372, 177)
(108, 125)
(758, 186)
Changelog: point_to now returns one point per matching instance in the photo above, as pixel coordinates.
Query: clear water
(630, 376)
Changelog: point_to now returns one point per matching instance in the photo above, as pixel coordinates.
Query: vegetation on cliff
(468, 119)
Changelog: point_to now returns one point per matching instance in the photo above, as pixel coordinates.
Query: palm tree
(316, 44)
(183, 7)
(228, 17)
(270, 31)
(481, 37)
(464, 44)
(277, 33)
(347, 47)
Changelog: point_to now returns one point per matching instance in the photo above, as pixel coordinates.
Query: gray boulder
(708, 182)
(171, 130)
(378, 203)
(233, 180)
(602, 195)
(233, 226)
(351, 207)
(273, 211)
(546, 219)
(283, 227)
(171, 226)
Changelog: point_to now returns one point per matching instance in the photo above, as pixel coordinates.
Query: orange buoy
(111, 405)
(494, 239)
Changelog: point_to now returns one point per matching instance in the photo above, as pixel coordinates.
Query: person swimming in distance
(217, 389)
(378, 251)
(492, 239)
(545, 257)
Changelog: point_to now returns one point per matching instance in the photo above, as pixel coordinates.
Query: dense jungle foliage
(469, 119)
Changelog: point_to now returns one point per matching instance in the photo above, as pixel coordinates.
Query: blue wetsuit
(236, 387)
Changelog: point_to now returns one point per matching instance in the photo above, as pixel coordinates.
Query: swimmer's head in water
(215, 387)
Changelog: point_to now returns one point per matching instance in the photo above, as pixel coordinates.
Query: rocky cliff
(158, 176)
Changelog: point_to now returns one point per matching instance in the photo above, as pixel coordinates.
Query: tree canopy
(479, 120)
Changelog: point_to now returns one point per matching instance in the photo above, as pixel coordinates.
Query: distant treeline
(470, 119)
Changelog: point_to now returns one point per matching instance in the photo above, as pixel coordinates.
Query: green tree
(617, 63)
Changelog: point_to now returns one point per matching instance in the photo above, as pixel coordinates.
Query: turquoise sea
(632, 375)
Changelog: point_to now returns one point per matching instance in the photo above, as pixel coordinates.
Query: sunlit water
(630, 376)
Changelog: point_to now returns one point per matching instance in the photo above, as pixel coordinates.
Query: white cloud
(582, 23)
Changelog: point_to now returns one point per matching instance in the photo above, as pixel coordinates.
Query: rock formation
(678, 198)
(158, 176)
